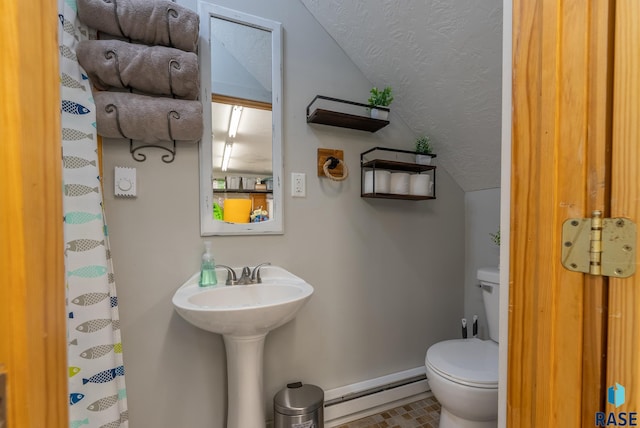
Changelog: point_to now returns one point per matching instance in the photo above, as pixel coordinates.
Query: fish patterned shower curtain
(97, 394)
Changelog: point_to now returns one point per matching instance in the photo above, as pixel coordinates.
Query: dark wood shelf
(396, 196)
(397, 166)
(344, 120)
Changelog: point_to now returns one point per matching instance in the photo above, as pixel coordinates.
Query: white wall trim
(505, 210)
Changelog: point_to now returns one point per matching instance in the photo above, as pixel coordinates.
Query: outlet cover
(298, 185)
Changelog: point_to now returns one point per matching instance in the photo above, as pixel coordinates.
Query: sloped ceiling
(443, 60)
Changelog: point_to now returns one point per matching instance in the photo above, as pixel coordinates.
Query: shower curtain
(97, 394)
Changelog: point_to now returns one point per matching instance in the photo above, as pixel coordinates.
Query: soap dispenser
(207, 268)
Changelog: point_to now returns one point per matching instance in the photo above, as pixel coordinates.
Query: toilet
(463, 373)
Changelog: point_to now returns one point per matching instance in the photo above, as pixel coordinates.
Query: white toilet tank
(489, 278)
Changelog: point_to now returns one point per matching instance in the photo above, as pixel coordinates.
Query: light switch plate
(125, 182)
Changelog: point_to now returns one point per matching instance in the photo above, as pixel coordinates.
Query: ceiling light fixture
(226, 155)
(234, 121)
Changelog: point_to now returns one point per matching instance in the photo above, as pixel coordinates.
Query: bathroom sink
(243, 315)
(241, 310)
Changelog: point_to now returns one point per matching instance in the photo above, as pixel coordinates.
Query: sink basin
(243, 309)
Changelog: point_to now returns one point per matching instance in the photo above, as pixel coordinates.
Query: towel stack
(161, 66)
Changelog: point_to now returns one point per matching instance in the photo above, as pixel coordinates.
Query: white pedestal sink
(244, 314)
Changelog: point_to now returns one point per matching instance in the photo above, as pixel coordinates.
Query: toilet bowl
(463, 373)
(463, 376)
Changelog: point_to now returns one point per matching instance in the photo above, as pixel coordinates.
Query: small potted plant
(495, 238)
(424, 150)
(379, 98)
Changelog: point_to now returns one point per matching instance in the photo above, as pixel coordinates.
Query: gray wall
(482, 217)
(388, 275)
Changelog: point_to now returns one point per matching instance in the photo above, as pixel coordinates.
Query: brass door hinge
(599, 246)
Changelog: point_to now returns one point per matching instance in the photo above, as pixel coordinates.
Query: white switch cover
(125, 182)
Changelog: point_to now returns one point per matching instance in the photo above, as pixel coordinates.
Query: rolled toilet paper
(381, 181)
(399, 183)
(419, 184)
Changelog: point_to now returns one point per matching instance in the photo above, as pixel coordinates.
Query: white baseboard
(340, 408)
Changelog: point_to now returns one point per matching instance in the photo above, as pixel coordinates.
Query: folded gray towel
(147, 119)
(152, 69)
(157, 22)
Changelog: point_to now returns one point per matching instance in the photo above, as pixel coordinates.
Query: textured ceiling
(443, 60)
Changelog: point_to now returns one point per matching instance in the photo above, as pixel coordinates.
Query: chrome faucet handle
(231, 275)
(255, 275)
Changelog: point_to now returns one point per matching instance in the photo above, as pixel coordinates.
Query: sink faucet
(255, 275)
(246, 278)
(231, 275)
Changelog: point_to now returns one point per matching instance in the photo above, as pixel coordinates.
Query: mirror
(241, 147)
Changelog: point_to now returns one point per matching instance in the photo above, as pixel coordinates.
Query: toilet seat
(470, 362)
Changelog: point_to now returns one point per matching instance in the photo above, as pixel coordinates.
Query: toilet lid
(471, 362)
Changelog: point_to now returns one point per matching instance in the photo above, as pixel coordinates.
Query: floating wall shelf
(344, 120)
(400, 165)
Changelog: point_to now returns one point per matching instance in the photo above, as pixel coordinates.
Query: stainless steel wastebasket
(299, 406)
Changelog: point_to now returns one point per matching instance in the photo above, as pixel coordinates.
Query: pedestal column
(245, 407)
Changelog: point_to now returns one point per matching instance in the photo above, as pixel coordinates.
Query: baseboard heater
(363, 399)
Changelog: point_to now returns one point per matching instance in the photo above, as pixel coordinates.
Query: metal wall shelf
(394, 165)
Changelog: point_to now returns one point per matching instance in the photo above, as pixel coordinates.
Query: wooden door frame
(560, 146)
(32, 287)
(623, 341)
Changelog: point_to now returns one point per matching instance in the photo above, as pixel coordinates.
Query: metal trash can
(299, 406)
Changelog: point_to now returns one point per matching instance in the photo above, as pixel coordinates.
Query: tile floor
(420, 414)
